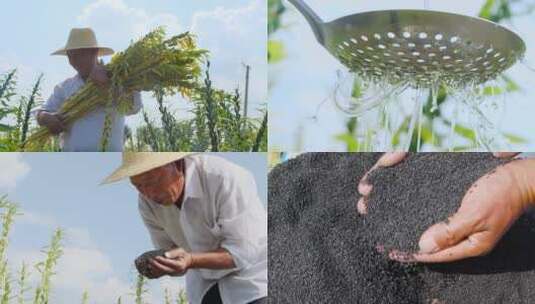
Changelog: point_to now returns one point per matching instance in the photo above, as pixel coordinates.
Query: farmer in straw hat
(84, 134)
(206, 213)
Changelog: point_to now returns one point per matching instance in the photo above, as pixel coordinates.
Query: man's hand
(175, 263)
(52, 121)
(99, 76)
(488, 209)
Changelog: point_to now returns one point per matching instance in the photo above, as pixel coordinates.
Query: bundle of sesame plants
(153, 63)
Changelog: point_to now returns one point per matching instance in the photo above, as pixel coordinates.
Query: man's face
(83, 60)
(163, 185)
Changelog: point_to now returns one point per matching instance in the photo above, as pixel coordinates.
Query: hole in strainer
(369, 48)
(364, 38)
(354, 40)
(416, 53)
(442, 48)
(397, 45)
(346, 43)
(377, 36)
(406, 34)
(391, 35)
(454, 39)
(427, 46)
(422, 35)
(381, 46)
(439, 37)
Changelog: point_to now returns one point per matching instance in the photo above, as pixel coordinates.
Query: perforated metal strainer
(419, 47)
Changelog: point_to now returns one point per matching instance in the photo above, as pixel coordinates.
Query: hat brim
(102, 51)
(133, 169)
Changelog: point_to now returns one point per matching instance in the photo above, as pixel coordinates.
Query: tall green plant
(46, 268)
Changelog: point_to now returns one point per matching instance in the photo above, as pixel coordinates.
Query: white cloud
(235, 36)
(13, 170)
(114, 20)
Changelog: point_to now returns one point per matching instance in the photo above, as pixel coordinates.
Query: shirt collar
(193, 187)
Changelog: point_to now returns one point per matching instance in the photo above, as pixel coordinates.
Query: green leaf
(486, 10)
(492, 90)
(465, 132)
(276, 51)
(515, 139)
(350, 141)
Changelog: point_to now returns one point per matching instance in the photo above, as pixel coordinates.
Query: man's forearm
(217, 259)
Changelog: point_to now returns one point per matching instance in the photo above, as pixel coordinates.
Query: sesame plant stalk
(261, 135)
(181, 298)
(211, 111)
(140, 289)
(7, 87)
(150, 137)
(46, 268)
(23, 277)
(28, 106)
(167, 296)
(6, 287)
(168, 123)
(7, 222)
(85, 297)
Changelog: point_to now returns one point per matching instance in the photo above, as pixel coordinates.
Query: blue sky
(103, 230)
(234, 32)
(307, 77)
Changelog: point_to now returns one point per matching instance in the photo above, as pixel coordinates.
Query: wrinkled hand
(52, 121)
(175, 263)
(99, 76)
(490, 207)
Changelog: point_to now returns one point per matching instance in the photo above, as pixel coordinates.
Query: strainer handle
(313, 19)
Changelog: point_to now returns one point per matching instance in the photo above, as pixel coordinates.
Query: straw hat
(83, 38)
(135, 163)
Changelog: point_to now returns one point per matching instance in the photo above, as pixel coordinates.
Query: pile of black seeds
(322, 251)
(143, 264)
(430, 185)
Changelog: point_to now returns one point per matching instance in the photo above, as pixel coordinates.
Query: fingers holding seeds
(365, 187)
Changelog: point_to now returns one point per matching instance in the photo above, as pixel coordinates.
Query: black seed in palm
(143, 261)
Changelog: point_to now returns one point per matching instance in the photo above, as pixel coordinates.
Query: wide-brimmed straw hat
(83, 38)
(135, 163)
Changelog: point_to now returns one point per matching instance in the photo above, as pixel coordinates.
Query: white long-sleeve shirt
(85, 133)
(221, 209)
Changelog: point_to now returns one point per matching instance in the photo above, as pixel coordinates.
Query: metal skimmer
(419, 47)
